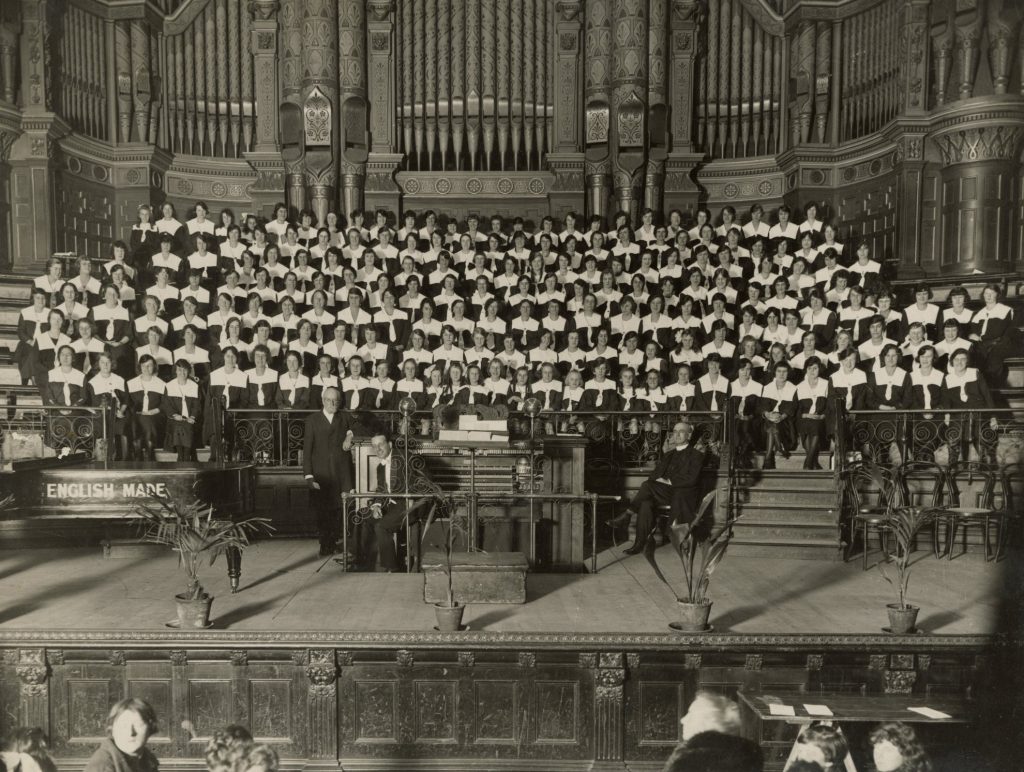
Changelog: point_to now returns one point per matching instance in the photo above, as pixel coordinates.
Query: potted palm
(903, 524)
(449, 612)
(190, 529)
(699, 551)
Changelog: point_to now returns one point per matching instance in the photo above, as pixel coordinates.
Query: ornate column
(914, 44)
(322, 702)
(292, 138)
(657, 93)
(34, 675)
(609, 717)
(910, 165)
(380, 189)
(680, 190)
(629, 102)
(265, 156)
(353, 105)
(597, 94)
(34, 155)
(319, 102)
(981, 170)
(565, 160)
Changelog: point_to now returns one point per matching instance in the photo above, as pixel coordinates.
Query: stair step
(829, 552)
(773, 533)
(755, 515)
(775, 498)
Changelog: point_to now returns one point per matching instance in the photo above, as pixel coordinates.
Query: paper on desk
(777, 709)
(817, 710)
(929, 712)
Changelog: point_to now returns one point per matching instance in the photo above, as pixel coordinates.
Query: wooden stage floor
(286, 588)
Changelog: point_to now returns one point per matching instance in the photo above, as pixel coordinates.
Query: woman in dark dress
(925, 393)
(31, 321)
(778, 409)
(146, 393)
(994, 334)
(183, 410)
(129, 726)
(812, 396)
(888, 390)
(106, 386)
(965, 389)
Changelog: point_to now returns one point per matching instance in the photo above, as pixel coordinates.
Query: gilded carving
(877, 662)
(527, 659)
(815, 661)
(692, 661)
(55, 657)
(569, 9)
(900, 681)
(116, 658)
(239, 657)
(344, 658)
(317, 114)
(322, 672)
(588, 660)
(404, 658)
(754, 662)
(467, 659)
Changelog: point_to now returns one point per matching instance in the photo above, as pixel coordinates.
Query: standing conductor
(327, 464)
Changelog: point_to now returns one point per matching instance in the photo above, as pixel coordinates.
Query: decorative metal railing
(943, 436)
(42, 431)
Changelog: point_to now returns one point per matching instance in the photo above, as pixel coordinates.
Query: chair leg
(952, 531)
(864, 546)
(987, 529)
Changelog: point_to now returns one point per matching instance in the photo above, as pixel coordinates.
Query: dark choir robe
(599, 395)
(30, 322)
(261, 389)
(381, 394)
(888, 389)
(925, 391)
(712, 396)
(355, 394)
(681, 398)
(392, 330)
(549, 394)
(473, 395)
(65, 388)
(411, 388)
(183, 400)
(144, 396)
(292, 393)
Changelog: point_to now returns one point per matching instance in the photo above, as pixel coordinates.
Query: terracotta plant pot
(449, 618)
(693, 617)
(193, 613)
(902, 620)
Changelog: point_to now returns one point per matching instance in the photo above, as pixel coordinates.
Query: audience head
(716, 752)
(823, 744)
(709, 712)
(130, 724)
(895, 748)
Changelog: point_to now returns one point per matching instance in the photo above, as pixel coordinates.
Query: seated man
(675, 481)
(389, 514)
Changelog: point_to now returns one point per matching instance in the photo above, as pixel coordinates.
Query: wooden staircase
(786, 512)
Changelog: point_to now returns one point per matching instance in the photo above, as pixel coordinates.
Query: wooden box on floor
(477, 577)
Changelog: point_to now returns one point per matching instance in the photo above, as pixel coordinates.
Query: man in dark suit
(675, 481)
(389, 514)
(327, 464)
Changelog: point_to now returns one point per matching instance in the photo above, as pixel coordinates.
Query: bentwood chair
(873, 492)
(923, 483)
(973, 488)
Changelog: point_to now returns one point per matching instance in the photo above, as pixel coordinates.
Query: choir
(781, 320)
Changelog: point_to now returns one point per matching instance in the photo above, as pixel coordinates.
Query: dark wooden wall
(509, 700)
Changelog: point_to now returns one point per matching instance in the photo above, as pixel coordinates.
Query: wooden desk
(776, 734)
(87, 490)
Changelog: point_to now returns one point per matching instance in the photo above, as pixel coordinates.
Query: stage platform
(345, 671)
(285, 587)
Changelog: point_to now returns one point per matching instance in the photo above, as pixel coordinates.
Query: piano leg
(234, 560)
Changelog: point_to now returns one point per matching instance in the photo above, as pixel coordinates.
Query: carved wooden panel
(435, 711)
(496, 709)
(209, 706)
(558, 711)
(661, 706)
(87, 705)
(270, 710)
(375, 711)
(157, 692)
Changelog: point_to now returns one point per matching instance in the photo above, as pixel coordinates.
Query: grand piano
(79, 488)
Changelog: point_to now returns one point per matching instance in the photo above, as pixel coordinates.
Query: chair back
(873, 486)
(921, 483)
(973, 484)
